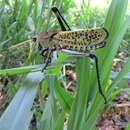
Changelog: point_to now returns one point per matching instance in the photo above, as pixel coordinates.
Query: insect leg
(91, 55)
(98, 76)
(47, 60)
(61, 20)
(40, 47)
(44, 52)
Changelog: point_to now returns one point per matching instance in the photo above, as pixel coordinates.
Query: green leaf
(113, 50)
(48, 119)
(128, 126)
(20, 70)
(79, 103)
(63, 97)
(60, 121)
(18, 114)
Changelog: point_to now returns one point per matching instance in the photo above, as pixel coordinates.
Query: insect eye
(34, 39)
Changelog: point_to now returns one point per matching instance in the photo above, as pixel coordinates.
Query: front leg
(47, 60)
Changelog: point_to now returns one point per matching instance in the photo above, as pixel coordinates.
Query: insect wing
(86, 39)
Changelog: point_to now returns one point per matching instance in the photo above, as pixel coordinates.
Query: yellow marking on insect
(21, 43)
(86, 38)
(69, 40)
(90, 36)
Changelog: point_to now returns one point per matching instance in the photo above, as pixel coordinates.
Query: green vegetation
(20, 20)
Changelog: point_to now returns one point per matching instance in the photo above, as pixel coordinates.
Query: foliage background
(20, 20)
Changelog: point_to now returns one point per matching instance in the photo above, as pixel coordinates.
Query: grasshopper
(73, 43)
